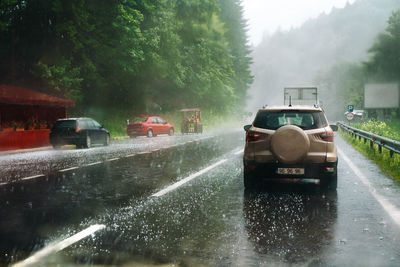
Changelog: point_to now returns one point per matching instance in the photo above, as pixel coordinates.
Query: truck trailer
(300, 96)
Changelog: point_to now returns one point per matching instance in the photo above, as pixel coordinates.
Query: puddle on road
(290, 224)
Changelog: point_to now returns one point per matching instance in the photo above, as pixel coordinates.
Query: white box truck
(300, 96)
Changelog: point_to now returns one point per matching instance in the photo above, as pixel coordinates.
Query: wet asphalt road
(208, 221)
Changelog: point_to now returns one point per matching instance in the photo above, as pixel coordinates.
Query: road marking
(33, 177)
(113, 159)
(68, 169)
(187, 179)
(94, 163)
(56, 247)
(391, 209)
(238, 152)
(23, 179)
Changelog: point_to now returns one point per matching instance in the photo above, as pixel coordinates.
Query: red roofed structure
(26, 116)
(22, 96)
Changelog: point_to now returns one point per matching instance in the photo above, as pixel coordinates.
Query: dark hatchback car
(82, 132)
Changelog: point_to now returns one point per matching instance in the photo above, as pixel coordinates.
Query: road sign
(350, 116)
(350, 108)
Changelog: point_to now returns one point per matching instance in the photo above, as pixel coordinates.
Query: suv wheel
(107, 140)
(171, 131)
(150, 133)
(88, 142)
(249, 180)
(329, 182)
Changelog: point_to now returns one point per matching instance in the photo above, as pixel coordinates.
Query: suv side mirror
(247, 127)
(334, 127)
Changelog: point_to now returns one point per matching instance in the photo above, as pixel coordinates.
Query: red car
(150, 126)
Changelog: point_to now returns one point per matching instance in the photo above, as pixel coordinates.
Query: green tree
(232, 15)
(385, 62)
(127, 55)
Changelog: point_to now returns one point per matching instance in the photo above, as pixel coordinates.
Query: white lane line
(187, 179)
(113, 159)
(53, 248)
(24, 179)
(68, 169)
(33, 177)
(94, 163)
(130, 155)
(238, 152)
(391, 209)
(143, 152)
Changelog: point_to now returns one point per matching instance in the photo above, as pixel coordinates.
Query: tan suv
(290, 144)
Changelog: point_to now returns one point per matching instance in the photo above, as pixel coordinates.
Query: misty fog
(300, 56)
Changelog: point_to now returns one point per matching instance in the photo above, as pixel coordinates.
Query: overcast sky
(266, 16)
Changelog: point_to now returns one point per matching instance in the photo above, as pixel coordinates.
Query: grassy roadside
(386, 129)
(387, 164)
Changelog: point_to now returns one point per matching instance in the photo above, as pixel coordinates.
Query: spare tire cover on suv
(290, 144)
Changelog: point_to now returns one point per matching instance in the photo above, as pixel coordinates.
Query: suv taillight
(327, 136)
(78, 130)
(252, 136)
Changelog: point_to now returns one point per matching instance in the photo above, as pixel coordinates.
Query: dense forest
(347, 79)
(128, 56)
(336, 52)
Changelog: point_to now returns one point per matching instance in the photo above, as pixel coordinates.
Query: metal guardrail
(392, 145)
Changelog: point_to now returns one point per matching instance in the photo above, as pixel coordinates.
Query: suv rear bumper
(266, 171)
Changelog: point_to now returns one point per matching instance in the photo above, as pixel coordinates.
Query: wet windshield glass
(304, 120)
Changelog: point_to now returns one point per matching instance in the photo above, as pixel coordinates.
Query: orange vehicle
(191, 121)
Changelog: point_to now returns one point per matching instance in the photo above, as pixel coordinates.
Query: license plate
(291, 171)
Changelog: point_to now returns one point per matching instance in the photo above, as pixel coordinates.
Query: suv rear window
(306, 120)
(65, 124)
